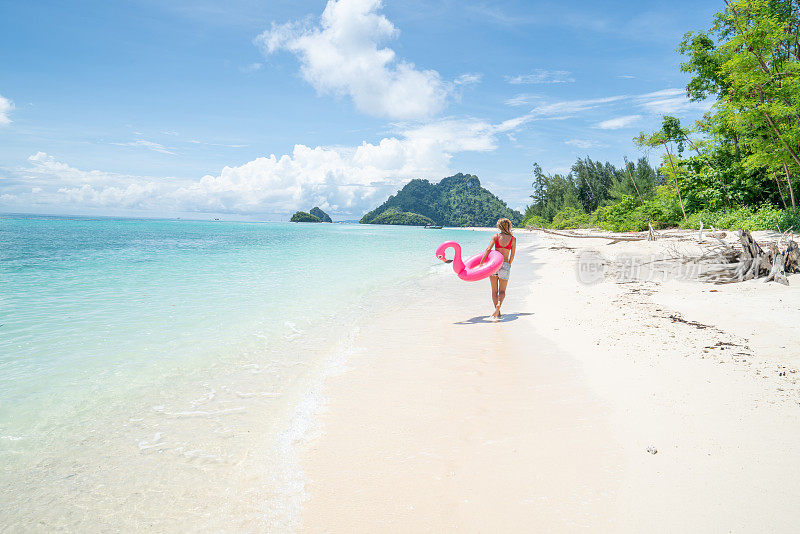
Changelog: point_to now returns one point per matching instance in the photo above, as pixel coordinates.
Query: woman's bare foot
(496, 314)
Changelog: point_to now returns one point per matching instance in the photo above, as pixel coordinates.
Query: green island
(734, 168)
(315, 215)
(302, 216)
(457, 200)
(319, 214)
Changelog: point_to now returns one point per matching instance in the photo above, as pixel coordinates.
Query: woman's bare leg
(493, 281)
(501, 294)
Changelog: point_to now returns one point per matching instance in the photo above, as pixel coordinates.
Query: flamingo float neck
(458, 263)
(475, 268)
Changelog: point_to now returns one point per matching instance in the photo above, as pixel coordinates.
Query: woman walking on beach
(505, 244)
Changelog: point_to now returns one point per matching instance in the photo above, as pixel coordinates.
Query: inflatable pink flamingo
(472, 269)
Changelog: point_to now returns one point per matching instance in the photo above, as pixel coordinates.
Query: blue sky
(254, 109)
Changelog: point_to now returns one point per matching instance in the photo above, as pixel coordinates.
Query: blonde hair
(504, 225)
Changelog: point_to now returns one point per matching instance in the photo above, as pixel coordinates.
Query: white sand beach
(649, 405)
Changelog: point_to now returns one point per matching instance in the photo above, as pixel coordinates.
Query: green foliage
(628, 215)
(750, 61)
(557, 199)
(321, 215)
(705, 62)
(766, 217)
(302, 216)
(670, 132)
(535, 221)
(663, 210)
(570, 217)
(551, 193)
(593, 181)
(455, 201)
(660, 209)
(395, 216)
(736, 167)
(635, 180)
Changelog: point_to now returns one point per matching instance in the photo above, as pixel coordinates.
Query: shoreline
(202, 433)
(431, 431)
(545, 420)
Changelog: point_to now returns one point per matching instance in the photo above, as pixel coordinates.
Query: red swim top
(497, 242)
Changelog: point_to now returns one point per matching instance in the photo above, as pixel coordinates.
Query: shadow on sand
(487, 319)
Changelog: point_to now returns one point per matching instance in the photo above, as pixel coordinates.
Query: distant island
(455, 201)
(315, 215)
(321, 215)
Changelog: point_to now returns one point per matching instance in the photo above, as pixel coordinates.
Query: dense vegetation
(302, 216)
(455, 201)
(321, 215)
(736, 167)
(395, 216)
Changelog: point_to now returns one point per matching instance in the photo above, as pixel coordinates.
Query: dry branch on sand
(650, 235)
(723, 262)
(771, 261)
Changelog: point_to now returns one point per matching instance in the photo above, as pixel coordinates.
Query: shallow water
(159, 373)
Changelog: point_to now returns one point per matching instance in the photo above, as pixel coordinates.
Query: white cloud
(251, 68)
(570, 107)
(509, 125)
(585, 143)
(150, 145)
(542, 76)
(522, 99)
(6, 106)
(618, 122)
(226, 145)
(345, 180)
(555, 111)
(341, 55)
(659, 102)
(669, 101)
(462, 81)
(469, 78)
(47, 181)
(454, 135)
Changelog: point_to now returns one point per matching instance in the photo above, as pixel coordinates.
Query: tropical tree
(750, 60)
(670, 132)
(551, 193)
(634, 180)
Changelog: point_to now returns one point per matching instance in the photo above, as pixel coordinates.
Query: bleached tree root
(650, 235)
(778, 272)
(752, 261)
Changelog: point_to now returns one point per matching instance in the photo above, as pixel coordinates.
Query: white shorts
(504, 271)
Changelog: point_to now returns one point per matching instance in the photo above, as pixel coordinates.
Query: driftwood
(613, 238)
(792, 255)
(778, 272)
(650, 235)
(751, 262)
(719, 262)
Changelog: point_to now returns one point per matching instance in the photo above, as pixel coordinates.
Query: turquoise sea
(160, 373)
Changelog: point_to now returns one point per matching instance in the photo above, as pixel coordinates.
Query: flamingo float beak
(441, 257)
